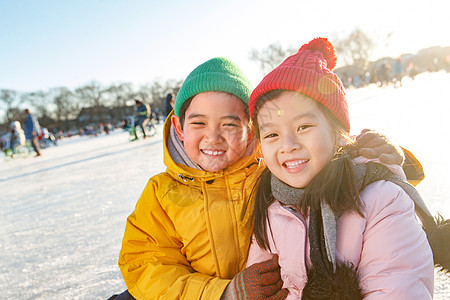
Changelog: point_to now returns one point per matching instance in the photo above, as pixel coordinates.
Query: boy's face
(215, 130)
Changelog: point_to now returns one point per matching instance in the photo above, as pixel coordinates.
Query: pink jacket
(388, 247)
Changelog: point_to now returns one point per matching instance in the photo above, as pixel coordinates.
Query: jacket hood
(180, 170)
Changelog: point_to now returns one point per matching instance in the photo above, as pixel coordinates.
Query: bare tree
(172, 86)
(66, 105)
(16, 114)
(8, 97)
(148, 91)
(39, 101)
(270, 57)
(91, 94)
(156, 92)
(120, 94)
(355, 49)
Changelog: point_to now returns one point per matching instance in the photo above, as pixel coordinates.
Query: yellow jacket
(191, 230)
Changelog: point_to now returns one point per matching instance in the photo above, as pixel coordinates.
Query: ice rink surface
(63, 214)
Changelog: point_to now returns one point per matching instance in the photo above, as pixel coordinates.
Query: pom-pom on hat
(218, 74)
(308, 72)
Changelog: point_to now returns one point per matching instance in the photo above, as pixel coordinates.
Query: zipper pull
(185, 178)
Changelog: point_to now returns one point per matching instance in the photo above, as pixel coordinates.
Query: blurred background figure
(17, 135)
(32, 131)
(397, 72)
(383, 74)
(141, 117)
(168, 105)
(412, 70)
(46, 138)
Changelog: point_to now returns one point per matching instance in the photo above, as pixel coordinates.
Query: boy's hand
(372, 144)
(260, 281)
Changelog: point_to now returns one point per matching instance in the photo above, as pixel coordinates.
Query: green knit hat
(218, 74)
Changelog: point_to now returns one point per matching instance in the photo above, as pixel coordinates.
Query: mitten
(259, 281)
(372, 144)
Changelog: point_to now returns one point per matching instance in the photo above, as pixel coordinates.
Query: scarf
(322, 227)
(178, 152)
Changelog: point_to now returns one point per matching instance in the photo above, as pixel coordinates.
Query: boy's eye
(230, 124)
(198, 123)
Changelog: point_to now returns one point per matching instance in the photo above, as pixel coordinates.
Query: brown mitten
(372, 144)
(260, 281)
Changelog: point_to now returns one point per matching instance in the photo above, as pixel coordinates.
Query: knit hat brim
(308, 72)
(325, 89)
(218, 75)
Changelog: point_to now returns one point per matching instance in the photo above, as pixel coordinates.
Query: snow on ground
(63, 214)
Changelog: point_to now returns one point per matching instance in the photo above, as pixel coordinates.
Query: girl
(334, 224)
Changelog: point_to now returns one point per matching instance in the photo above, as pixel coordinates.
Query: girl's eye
(270, 135)
(198, 123)
(303, 127)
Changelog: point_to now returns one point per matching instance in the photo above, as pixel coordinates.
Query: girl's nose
(290, 143)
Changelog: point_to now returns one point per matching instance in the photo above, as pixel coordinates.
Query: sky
(47, 44)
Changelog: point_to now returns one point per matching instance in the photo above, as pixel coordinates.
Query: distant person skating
(141, 117)
(168, 105)
(32, 130)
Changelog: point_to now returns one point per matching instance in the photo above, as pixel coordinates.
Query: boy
(190, 232)
(191, 229)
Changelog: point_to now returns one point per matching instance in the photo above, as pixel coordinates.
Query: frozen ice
(62, 215)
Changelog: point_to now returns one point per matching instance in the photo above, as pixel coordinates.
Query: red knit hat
(308, 72)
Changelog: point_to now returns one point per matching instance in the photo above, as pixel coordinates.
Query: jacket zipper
(185, 178)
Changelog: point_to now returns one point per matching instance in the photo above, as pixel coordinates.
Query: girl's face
(297, 140)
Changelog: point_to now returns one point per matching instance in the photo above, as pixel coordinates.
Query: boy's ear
(251, 137)
(177, 125)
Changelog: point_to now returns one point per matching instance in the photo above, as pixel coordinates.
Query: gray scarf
(322, 229)
(177, 151)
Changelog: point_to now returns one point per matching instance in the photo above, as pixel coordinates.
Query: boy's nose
(215, 136)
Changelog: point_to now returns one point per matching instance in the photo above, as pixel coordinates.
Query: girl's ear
(341, 141)
(177, 125)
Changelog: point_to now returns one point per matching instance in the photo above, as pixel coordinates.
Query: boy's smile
(213, 152)
(215, 130)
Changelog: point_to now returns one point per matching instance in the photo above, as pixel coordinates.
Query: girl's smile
(294, 166)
